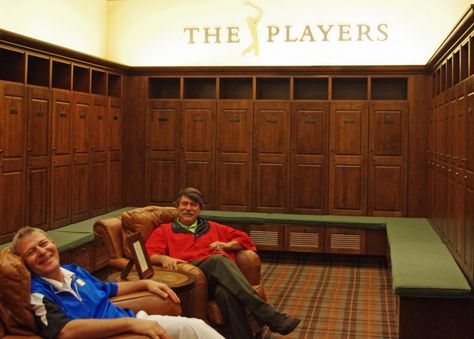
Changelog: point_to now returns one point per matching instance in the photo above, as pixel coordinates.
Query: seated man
(68, 302)
(211, 247)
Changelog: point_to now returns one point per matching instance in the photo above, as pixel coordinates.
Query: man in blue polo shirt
(68, 302)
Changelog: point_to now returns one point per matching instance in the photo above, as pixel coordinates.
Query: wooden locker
(61, 158)
(348, 158)
(198, 143)
(388, 142)
(13, 118)
(309, 157)
(114, 160)
(162, 157)
(271, 156)
(234, 155)
(99, 152)
(38, 181)
(81, 146)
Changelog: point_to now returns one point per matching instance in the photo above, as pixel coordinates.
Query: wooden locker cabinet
(38, 153)
(114, 155)
(388, 143)
(234, 155)
(99, 152)
(82, 159)
(271, 156)
(309, 157)
(198, 148)
(348, 158)
(13, 121)
(162, 151)
(61, 158)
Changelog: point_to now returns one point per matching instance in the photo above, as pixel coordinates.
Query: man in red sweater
(211, 247)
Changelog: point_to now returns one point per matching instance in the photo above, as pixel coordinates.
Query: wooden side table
(177, 280)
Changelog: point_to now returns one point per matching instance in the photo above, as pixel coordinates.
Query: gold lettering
(307, 33)
(364, 30)
(191, 31)
(344, 32)
(382, 28)
(325, 31)
(208, 33)
(288, 39)
(233, 34)
(272, 32)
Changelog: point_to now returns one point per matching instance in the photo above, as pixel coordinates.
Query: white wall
(75, 24)
(152, 32)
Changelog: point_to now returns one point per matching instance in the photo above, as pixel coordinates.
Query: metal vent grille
(304, 239)
(345, 241)
(264, 237)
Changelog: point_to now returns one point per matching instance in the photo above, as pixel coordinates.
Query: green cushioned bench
(421, 263)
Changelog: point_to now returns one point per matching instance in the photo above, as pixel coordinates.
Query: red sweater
(188, 246)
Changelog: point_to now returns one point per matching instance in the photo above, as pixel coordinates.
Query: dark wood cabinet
(271, 144)
(61, 158)
(233, 132)
(198, 148)
(38, 154)
(162, 151)
(348, 158)
(387, 158)
(309, 157)
(13, 120)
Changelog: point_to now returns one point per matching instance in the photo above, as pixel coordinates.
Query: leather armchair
(196, 304)
(17, 319)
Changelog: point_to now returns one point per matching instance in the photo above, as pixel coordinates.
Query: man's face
(40, 254)
(188, 211)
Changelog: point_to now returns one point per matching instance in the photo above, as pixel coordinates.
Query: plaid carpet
(335, 296)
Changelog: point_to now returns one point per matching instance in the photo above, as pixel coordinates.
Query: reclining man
(68, 302)
(211, 247)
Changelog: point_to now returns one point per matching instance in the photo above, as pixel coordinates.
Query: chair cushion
(144, 220)
(15, 293)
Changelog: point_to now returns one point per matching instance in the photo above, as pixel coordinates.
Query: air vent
(264, 237)
(304, 239)
(345, 241)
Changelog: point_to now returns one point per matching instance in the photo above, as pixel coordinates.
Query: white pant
(183, 327)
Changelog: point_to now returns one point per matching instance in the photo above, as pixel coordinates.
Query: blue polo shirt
(81, 297)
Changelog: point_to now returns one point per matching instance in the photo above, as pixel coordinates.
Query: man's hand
(225, 246)
(150, 329)
(170, 263)
(162, 290)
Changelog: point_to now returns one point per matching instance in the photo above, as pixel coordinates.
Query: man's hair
(192, 193)
(24, 231)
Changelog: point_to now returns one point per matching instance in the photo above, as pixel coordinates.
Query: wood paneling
(198, 144)
(38, 152)
(13, 119)
(163, 146)
(348, 158)
(234, 155)
(271, 156)
(309, 157)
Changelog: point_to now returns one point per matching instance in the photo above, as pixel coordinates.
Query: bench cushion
(421, 263)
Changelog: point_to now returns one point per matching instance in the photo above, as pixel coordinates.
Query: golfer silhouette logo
(252, 22)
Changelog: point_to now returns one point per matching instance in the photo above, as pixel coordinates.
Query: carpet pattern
(335, 297)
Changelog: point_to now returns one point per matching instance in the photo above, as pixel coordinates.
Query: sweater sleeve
(228, 233)
(156, 242)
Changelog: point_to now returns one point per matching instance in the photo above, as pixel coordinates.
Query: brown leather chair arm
(110, 230)
(148, 302)
(250, 265)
